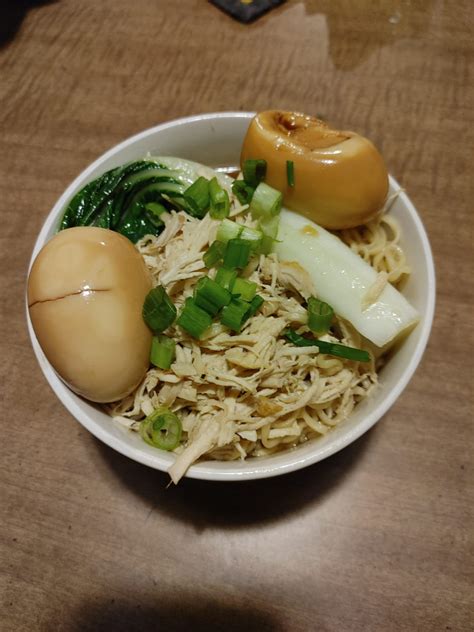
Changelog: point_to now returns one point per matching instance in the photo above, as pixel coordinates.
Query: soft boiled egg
(340, 179)
(345, 281)
(86, 291)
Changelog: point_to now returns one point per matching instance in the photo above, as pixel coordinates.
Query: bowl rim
(204, 470)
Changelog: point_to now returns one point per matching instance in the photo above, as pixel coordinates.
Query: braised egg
(86, 290)
(340, 179)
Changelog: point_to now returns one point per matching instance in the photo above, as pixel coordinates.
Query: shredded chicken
(246, 394)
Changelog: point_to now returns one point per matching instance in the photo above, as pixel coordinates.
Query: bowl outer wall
(215, 139)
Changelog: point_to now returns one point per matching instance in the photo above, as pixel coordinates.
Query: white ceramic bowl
(215, 140)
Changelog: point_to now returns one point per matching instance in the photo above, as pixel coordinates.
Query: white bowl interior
(215, 140)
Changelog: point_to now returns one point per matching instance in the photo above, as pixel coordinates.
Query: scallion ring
(211, 296)
(242, 191)
(234, 315)
(162, 352)
(158, 311)
(194, 319)
(254, 171)
(213, 254)
(196, 198)
(228, 230)
(162, 429)
(219, 200)
(237, 253)
(225, 277)
(320, 315)
(244, 288)
(266, 202)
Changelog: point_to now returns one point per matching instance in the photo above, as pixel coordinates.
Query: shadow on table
(173, 614)
(12, 14)
(236, 504)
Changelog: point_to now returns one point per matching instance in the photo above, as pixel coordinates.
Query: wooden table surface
(378, 537)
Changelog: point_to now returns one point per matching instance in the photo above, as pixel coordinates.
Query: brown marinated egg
(86, 291)
(340, 179)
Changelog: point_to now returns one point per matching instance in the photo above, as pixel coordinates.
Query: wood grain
(378, 537)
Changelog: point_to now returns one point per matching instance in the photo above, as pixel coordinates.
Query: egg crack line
(59, 298)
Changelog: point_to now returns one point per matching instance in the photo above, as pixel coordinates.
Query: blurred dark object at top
(246, 10)
(12, 13)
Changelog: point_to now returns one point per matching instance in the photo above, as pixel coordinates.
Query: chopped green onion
(254, 236)
(196, 197)
(219, 198)
(214, 253)
(266, 202)
(267, 245)
(290, 173)
(269, 229)
(331, 348)
(244, 288)
(231, 230)
(162, 429)
(242, 191)
(211, 296)
(237, 253)
(255, 305)
(194, 319)
(158, 311)
(225, 277)
(254, 171)
(206, 305)
(235, 314)
(162, 352)
(228, 230)
(261, 238)
(320, 315)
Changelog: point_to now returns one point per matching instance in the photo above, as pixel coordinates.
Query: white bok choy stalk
(344, 280)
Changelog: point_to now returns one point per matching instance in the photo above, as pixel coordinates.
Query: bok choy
(131, 199)
(128, 200)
